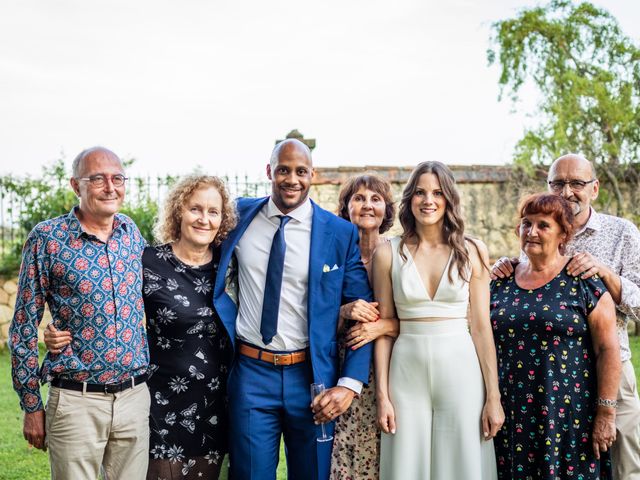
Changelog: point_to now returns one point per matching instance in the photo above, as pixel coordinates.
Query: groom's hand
(332, 403)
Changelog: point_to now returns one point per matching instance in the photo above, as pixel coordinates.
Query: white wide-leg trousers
(437, 391)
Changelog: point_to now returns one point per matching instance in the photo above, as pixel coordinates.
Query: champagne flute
(318, 389)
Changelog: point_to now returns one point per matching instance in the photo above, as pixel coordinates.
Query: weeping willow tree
(587, 73)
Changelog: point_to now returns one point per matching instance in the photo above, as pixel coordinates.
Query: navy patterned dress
(190, 357)
(548, 381)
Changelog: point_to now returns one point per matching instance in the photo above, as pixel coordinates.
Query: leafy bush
(39, 198)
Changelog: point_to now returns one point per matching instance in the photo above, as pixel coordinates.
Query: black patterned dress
(190, 357)
(548, 380)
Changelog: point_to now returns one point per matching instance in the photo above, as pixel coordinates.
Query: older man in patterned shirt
(609, 247)
(86, 265)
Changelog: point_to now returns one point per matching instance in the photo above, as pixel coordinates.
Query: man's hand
(360, 311)
(586, 265)
(56, 340)
(332, 403)
(33, 429)
(604, 430)
(504, 267)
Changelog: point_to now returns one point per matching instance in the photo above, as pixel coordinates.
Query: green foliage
(142, 209)
(39, 198)
(588, 74)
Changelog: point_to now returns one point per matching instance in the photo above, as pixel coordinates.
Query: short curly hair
(167, 229)
(370, 182)
(548, 204)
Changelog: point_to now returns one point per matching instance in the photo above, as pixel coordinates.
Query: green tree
(588, 76)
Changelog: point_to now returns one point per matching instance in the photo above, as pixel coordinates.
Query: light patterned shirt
(615, 242)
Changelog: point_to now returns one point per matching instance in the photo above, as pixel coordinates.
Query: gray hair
(275, 154)
(77, 162)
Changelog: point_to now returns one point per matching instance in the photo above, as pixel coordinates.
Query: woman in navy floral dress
(189, 348)
(555, 337)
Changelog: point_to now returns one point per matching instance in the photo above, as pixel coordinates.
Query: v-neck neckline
(424, 285)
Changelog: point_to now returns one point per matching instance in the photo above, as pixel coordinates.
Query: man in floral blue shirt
(86, 265)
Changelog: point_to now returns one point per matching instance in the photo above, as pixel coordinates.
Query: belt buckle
(276, 358)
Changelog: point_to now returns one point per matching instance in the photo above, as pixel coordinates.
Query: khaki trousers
(92, 430)
(626, 450)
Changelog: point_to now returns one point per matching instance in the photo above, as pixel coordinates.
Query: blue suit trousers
(266, 403)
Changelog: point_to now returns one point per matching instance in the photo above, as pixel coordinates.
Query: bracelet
(605, 402)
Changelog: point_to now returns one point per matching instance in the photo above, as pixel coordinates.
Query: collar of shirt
(594, 223)
(76, 227)
(301, 214)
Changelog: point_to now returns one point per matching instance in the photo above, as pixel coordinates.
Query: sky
(211, 84)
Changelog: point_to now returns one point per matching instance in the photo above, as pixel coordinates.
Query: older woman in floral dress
(558, 356)
(367, 202)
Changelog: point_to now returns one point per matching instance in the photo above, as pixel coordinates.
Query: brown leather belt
(273, 358)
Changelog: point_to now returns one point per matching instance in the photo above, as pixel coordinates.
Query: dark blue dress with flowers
(548, 381)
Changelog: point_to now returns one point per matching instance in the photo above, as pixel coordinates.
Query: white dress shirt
(252, 252)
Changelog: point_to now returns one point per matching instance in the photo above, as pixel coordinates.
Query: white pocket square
(326, 268)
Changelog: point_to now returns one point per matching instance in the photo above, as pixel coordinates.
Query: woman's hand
(604, 430)
(56, 340)
(360, 311)
(364, 332)
(386, 416)
(492, 417)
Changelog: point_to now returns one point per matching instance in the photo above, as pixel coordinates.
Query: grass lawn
(18, 462)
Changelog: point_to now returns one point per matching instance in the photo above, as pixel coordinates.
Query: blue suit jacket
(334, 241)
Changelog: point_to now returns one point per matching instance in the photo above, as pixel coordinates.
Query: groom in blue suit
(297, 264)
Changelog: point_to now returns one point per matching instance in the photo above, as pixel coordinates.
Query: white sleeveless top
(411, 297)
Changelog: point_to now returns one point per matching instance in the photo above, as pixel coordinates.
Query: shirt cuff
(351, 384)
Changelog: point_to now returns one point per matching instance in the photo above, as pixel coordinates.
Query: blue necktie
(273, 284)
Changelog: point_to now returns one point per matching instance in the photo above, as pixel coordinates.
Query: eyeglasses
(575, 185)
(100, 180)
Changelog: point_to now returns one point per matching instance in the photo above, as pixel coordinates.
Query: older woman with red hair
(558, 356)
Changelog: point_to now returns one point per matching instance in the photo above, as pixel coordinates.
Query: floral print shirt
(94, 290)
